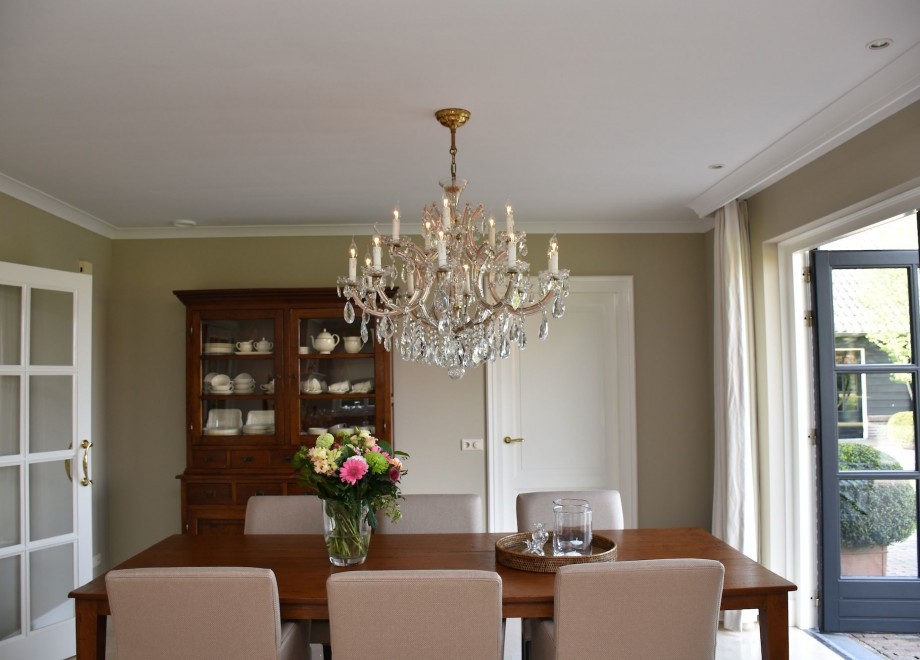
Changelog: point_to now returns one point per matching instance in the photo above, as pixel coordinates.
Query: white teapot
(325, 342)
(263, 346)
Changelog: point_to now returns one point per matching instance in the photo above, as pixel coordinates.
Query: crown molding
(889, 90)
(34, 197)
(695, 226)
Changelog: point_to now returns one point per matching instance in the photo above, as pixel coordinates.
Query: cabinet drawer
(213, 493)
(214, 458)
(246, 490)
(282, 457)
(254, 458)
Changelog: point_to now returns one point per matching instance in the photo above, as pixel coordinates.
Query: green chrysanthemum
(376, 462)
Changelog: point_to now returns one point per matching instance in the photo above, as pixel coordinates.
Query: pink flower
(394, 474)
(353, 469)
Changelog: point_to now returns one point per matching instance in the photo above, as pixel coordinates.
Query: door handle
(509, 440)
(86, 481)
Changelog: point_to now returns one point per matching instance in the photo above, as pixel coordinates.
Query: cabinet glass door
(336, 377)
(239, 363)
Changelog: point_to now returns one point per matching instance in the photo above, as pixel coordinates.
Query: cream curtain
(734, 510)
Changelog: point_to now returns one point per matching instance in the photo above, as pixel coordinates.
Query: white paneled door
(562, 413)
(45, 457)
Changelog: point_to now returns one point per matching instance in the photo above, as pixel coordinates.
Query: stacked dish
(218, 348)
(224, 422)
(244, 384)
(260, 422)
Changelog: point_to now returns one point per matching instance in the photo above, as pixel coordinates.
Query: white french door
(45, 457)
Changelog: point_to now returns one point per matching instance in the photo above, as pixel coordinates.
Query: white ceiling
(315, 116)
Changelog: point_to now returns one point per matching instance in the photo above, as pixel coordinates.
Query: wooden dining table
(301, 566)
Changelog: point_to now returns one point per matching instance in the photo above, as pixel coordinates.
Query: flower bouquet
(356, 475)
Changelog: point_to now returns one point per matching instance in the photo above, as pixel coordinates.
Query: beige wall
(147, 400)
(32, 237)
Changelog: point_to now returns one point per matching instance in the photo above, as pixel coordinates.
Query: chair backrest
(429, 614)
(606, 508)
(435, 514)
(209, 612)
(663, 608)
(284, 514)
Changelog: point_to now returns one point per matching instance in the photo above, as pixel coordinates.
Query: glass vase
(347, 532)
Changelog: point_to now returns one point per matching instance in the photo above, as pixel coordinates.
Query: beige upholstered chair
(280, 514)
(201, 613)
(424, 614)
(289, 514)
(662, 608)
(606, 508)
(435, 514)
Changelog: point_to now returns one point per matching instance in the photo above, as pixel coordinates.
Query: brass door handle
(67, 464)
(86, 481)
(509, 440)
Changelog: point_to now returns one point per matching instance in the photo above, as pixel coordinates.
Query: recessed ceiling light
(716, 166)
(184, 224)
(879, 44)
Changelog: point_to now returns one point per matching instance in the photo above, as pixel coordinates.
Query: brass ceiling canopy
(452, 118)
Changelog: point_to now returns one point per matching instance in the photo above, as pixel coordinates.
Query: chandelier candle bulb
(396, 224)
(442, 250)
(410, 282)
(427, 235)
(512, 251)
(553, 255)
(509, 219)
(445, 214)
(352, 261)
(492, 231)
(376, 251)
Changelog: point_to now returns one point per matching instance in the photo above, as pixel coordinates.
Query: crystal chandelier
(459, 300)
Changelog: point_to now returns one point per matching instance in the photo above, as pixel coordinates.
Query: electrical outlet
(471, 445)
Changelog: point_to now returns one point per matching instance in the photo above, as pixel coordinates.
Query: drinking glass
(571, 527)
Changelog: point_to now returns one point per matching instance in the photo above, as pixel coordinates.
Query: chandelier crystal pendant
(460, 299)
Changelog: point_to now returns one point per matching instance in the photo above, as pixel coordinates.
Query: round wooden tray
(510, 551)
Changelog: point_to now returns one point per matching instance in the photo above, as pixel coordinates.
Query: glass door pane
(51, 327)
(10, 324)
(50, 413)
(9, 415)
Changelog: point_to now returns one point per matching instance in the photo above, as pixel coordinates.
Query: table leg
(90, 631)
(774, 627)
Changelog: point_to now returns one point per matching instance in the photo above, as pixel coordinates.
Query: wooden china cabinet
(240, 442)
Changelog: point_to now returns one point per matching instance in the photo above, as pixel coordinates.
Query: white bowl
(243, 376)
(261, 418)
(231, 418)
(220, 380)
(316, 430)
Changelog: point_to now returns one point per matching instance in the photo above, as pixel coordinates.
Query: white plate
(258, 429)
(253, 352)
(218, 351)
(260, 418)
(227, 431)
